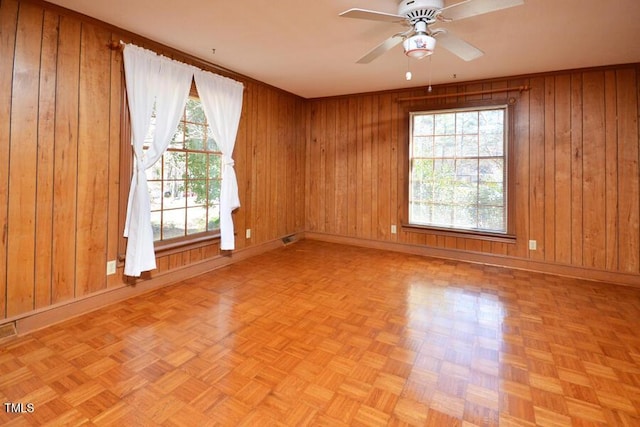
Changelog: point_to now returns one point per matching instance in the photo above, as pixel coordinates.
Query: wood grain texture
(93, 149)
(577, 230)
(628, 171)
(64, 151)
(8, 21)
(324, 334)
(116, 103)
(574, 160)
(611, 172)
(593, 163)
(332, 165)
(46, 156)
(550, 169)
(562, 182)
(66, 161)
(537, 165)
(21, 225)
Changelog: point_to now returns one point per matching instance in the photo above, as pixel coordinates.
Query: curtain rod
(119, 47)
(477, 92)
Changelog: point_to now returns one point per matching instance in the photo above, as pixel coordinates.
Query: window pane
(156, 224)
(155, 195)
(196, 220)
(173, 192)
(442, 215)
(173, 224)
(445, 124)
(197, 194)
(445, 146)
(491, 144)
(491, 218)
(423, 146)
(197, 165)
(215, 165)
(213, 222)
(468, 123)
(175, 165)
(491, 170)
(194, 111)
(491, 193)
(466, 216)
(468, 146)
(443, 194)
(491, 121)
(467, 171)
(420, 213)
(155, 171)
(423, 125)
(422, 170)
(194, 138)
(443, 172)
(465, 194)
(422, 191)
(214, 191)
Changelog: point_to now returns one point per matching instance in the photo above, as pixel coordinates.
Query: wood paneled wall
(61, 98)
(576, 148)
(575, 158)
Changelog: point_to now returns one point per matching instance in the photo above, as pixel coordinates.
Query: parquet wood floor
(328, 335)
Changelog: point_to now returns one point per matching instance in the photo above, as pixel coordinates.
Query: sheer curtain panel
(149, 77)
(222, 103)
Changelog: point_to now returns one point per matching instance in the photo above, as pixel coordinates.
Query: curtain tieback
(228, 161)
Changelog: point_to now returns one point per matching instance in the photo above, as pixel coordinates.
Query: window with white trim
(458, 169)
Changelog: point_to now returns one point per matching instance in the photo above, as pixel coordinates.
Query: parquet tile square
(326, 335)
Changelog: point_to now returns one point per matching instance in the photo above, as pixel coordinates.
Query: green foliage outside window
(185, 185)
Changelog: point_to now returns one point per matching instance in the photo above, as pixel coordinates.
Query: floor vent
(8, 330)
(289, 239)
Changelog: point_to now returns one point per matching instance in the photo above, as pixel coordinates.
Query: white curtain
(149, 77)
(222, 103)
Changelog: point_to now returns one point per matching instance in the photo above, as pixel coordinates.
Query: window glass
(184, 185)
(458, 169)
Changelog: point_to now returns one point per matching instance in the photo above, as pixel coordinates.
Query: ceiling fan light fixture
(419, 46)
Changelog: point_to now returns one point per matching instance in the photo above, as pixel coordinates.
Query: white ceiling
(303, 47)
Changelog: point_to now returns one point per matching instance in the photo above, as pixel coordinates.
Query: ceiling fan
(419, 40)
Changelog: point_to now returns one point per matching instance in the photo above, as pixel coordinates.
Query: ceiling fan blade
(469, 8)
(457, 46)
(371, 15)
(386, 45)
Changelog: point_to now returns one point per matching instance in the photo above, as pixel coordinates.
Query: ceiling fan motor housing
(420, 10)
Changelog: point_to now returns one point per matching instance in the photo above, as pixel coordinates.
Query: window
(458, 170)
(184, 185)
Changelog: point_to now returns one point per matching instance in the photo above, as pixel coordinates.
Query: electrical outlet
(248, 233)
(111, 267)
(533, 245)
(394, 229)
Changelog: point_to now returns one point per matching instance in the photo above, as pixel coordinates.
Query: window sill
(194, 242)
(176, 246)
(467, 234)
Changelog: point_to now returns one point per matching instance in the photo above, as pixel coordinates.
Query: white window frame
(507, 179)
